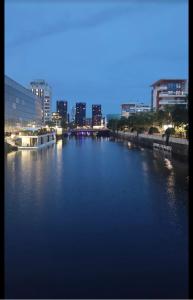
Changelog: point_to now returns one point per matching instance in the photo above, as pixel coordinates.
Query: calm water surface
(91, 218)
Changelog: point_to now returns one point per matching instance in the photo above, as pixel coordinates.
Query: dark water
(91, 218)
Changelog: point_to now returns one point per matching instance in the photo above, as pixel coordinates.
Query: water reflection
(71, 206)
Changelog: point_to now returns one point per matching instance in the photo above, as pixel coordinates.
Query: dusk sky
(98, 52)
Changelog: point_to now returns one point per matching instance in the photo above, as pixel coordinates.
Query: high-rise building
(62, 109)
(40, 88)
(22, 107)
(96, 115)
(80, 117)
(73, 114)
(169, 92)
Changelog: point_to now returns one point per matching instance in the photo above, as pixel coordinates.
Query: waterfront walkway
(154, 137)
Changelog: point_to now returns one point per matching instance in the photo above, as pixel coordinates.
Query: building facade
(96, 115)
(22, 107)
(89, 122)
(169, 92)
(41, 89)
(56, 118)
(62, 109)
(129, 109)
(80, 116)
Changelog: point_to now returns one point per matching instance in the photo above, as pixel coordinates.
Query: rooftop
(162, 81)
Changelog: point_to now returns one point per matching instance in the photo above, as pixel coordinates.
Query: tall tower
(96, 115)
(40, 88)
(80, 117)
(62, 109)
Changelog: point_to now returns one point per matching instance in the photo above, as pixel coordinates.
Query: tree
(113, 124)
(153, 130)
(122, 123)
(179, 115)
(161, 117)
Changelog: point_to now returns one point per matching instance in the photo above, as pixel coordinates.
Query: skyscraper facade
(40, 88)
(80, 116)
(62, 109)
(96, 115)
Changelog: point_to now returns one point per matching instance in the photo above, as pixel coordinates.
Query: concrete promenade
(154, 137)
(180, 147)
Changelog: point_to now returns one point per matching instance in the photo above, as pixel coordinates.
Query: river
(94, 218)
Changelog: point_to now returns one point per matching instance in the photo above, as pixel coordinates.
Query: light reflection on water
(87, 204)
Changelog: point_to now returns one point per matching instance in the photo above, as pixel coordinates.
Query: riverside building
(169, 92)
(41, 89)
(22, 107)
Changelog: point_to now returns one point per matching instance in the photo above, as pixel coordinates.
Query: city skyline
(97, 57)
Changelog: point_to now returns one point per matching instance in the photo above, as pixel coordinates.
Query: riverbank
(9, 148)
(180, 147)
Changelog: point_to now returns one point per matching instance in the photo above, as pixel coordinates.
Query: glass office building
(22, 107)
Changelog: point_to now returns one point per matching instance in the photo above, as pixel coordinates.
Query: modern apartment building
(96, 115)
(62, 109)
(22, 107)
(80, 116)
(169, 92)
(41, 89)
(132, 108)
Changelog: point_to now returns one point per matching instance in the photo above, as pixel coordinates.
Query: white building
(169, 92)
(40, 88)
(129, 109)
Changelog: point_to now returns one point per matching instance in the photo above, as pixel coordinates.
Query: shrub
(153, 130)
(140, 129)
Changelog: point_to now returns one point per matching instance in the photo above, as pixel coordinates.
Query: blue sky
(99, 52)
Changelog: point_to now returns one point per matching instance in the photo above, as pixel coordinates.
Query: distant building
(141, 107)
(56, 118)
(89, 122)
(104, 122)
(62, 109)
(127, 109)
(41, 89)
(113, 116)
(80, 116)
(133, 108)
(22, 107)
(96, 115)
(169, 92)
(73, 114)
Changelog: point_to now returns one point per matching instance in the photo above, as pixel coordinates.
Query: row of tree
(176, 115)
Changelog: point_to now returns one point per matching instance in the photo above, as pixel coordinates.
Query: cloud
(91, 21)
(95, 20)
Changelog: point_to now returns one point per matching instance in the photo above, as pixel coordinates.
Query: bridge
(89, 132)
